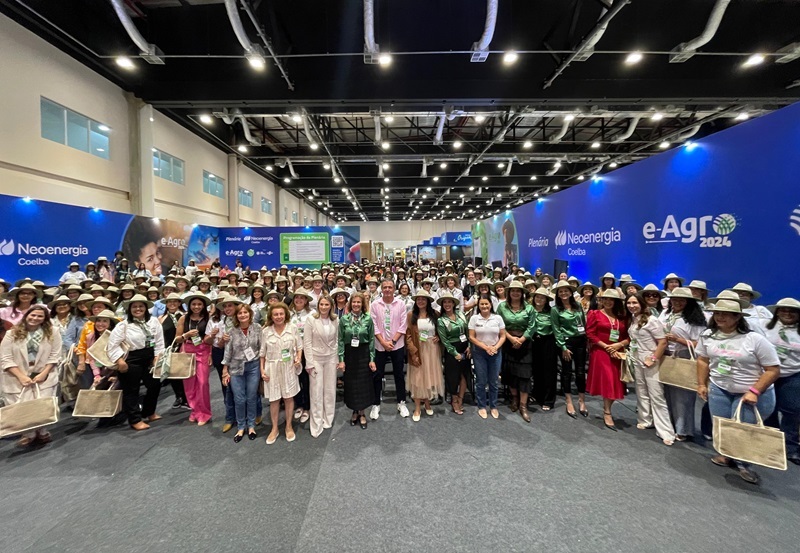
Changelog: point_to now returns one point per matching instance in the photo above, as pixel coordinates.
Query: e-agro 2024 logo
(713, 231)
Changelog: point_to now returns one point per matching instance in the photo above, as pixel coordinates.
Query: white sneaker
(403, 409)
(375, 412)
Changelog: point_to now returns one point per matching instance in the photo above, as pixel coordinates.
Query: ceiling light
(664, 145)
(385, 165)
(633, 58)
(510, 57)
(301, 190)
(255, 60)
(743, 116)
(581, 177)
(125, 62)
(533, 177)
(287, 180)
(424, 196)
(337, 180)
(613, 164)
(269, 168)
(242, 148)
(206, 119)
(313, 145)
(514, 188)
(536, 195)
(435, 179)
(443, 165)
(472, 188)
(296, 118)
(385, 59)
(555, 187)
(501, 165)
(595, 145)
(690, 145)
(327, 166)
(569, 117)
(389, 119)
(484, 178)
(499, 195)
(429, 188)
(385, 145)
(480, 118)
(385, 179)
(752, 61)
(386, 190)
(456, 144)
(657, 116)
(527, 144)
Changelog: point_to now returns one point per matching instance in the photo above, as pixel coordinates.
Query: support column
(140, 140)
(278, 206)
(233, 190)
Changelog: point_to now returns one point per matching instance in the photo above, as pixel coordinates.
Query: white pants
(650, 400)
(323, 393)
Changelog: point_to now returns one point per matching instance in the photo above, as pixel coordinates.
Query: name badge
(581, 329)
(354, 342)
(151, 344)
(285, 355)
(724, 365)
(197, 340)
(249, 354)
(634, 345)
(423, 335)
(614, 335)
(782, 351)
(463, 338)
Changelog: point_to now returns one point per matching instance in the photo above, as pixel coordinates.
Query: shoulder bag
(93, 403)
(678, 372)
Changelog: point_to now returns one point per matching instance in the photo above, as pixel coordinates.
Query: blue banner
(456, 239)
(725, 209)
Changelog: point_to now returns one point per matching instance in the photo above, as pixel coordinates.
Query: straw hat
(743, 287)
(105, 314)
(608, 275)
(422, 294)
(729, 295)
(273, 293)
(670, 277)
(74, 264)
(446, 295)
(517, 285)
(301, 292)
(548, 275)
(187, 299)
(681, 293)
(339, 291)
(173, 297)
(588, 284)
(728, 306)
(281, 278)
(130, 287)
(612, 293)
(59, 299)
(225, 297)
(151, 289)
(257, 285)
(543, 292)
(502, 283)
(630, 283)
(529, 282)
(563, 284)
(101, 299)
(344, 276)
(138, 298)
(12, 294)
(654, 288)
(790, 303)
(698, 284)
(572, 279)
(429, 280)
(83, 298)
(316, 277)
(626, 278)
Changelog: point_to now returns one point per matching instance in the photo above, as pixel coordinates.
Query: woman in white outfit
(648, 343)
(281, 350)
(320, 344)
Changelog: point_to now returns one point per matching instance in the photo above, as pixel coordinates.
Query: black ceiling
(320, 46)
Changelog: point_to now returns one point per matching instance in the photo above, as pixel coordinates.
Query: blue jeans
(245, 394)
(724, 404)
(787, 404)
(681, 406)
(227, 394)
(487, 369)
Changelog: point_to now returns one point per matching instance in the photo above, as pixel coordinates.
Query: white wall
(31, 165)
(260, 187)
(399, 234)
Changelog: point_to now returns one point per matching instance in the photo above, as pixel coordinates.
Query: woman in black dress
(169, 322)
(357, 359)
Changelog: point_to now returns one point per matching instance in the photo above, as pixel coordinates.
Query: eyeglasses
(651, 295)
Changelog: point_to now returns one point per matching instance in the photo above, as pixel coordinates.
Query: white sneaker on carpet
(403, 409)
(375, 412)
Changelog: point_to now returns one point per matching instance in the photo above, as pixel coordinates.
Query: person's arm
(592, 331)
(501, 338)
(411, 335)
(660, 348)
(114, 348)
(441, 330)
(403, 320)
(474, 340)
(308, 341)
(179, 335)
(340, 345)
(7, 361)
(158, 334)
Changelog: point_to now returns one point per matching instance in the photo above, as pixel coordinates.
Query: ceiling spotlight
(690, 145)
(326, 166)
(480, 118)
(743, 116)
(268, 167)
(484, 178)
(595, 145)
(510, 57)
(429, 188)
(385, 59)
(385, 145)
(424, 196)
(287, 180)
(461, 195)
(581, 177)
(296, 118)
(501, 165)
(514, 188)
(443, 165)
(385, 179)
(527, 144)
(613, 164)
(206, 119)
(664, 145)
(555, 187)
(752, 61)
(385, 166)
(337, 180)
(633, 58)
(536, 195)
(657, 116)
(389, 119)
(125, 62)
(435, 179)
(472, 188)
(569, 117)
(533, 177)
(386, 190)
(313, 145)
(242, 148)
(456, 144)
(255, 60)
(300, 190)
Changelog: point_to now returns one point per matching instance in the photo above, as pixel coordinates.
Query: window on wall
(313, 222)
(266, 205)
(295, 218)
(214, 185)
(305, 221)
(285, 214)
(167, 166)
(245, 197)
(72, 129)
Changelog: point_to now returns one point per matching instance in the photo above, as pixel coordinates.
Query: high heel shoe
(572, 414)
(238, 438)
(584, 412)
(609, 426)
(363, 422)
(354, 420)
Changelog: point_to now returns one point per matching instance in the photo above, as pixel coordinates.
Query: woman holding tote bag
(736, 365)
(28, 354)
(191, 332)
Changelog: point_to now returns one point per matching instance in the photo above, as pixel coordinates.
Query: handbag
(68, 376)
(626, 367)
(173, 365)
(678, 372)
(99, 350)
(751, 443)
(93, 403)
(23, 416)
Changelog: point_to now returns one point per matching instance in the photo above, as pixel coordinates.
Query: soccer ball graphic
(724, 224)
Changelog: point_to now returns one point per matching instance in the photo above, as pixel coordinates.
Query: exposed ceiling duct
(480, 49)
(628, 133)
(686, 50)
(556, 138)
(253, 52)
(149, 52)
(371, 48)
(437, 139)
(588, 48)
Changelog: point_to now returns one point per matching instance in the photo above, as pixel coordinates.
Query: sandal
(609, 426)
(748, 476)
(43, 438)
(456, 405)
(722, 461)
(25, 441)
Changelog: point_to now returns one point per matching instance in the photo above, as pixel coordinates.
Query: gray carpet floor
(446, 483)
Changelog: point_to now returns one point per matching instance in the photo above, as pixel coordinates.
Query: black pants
(545, 375)
(454, 369)
(577, 345)
(303, 398)
(138, 373)
(398, 359)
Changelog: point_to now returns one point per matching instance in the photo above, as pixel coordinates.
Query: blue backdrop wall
(724, 210)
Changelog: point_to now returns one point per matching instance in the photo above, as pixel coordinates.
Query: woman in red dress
(607, 330)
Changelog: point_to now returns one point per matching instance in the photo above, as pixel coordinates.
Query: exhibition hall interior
(374, 275)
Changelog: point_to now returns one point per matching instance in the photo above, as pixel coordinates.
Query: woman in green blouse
(454, 335)
(569, 325)
(543, 350)
(357, 358)
(517, 316)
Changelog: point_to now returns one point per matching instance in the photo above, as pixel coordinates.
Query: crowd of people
(293, 336)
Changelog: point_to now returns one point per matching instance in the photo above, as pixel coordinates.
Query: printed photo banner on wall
(39, 239)
(725, 209)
